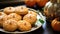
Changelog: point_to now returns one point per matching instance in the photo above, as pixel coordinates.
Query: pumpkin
(41, 3)
(52, 10)
(30, 3)
(56, 24)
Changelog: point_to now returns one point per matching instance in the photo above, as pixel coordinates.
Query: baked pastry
(9, 10)
(56, 24)
(22, 10)
(2, 15)
(32, 12)
(24, 25)
(30, 18)
(14, 16)
(10, 25)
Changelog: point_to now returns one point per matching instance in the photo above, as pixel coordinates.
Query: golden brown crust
(22, 10)
(30, 18)
(24, 25)
(10, 25)
(2, 15)
(13, 16)
(9, 10)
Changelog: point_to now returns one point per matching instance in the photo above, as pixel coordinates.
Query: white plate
(38, 24)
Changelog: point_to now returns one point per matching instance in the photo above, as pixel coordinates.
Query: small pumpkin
(41, 3)
(56, 24)
(30, 3)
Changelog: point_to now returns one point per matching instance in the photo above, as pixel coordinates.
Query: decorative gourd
(30, 3)
(52, 9)
(56, 24)
(41, 3)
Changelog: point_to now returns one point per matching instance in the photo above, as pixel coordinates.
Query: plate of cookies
(20, 19)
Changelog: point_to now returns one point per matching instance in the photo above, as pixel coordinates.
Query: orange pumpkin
(30, 3)
(41, 3)
(56, 24)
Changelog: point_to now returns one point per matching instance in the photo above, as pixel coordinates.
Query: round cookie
(30, 18)
(9, 10)
(14, 16)
(10, 25)
(24, 25)
(22, 10)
